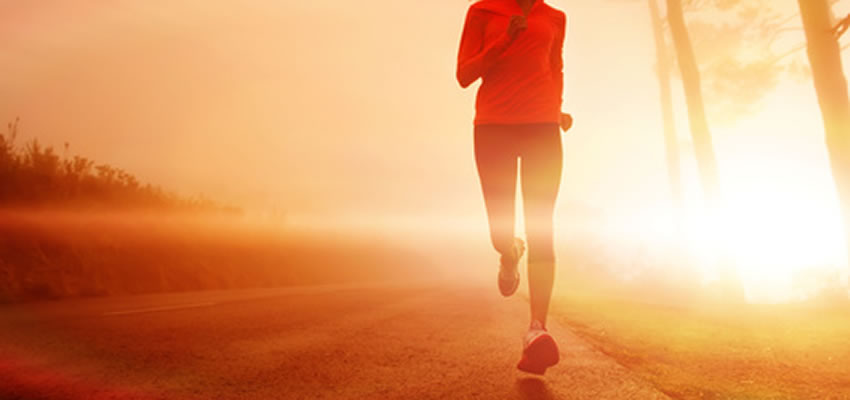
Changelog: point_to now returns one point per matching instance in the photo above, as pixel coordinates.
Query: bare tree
(737, 45)
(824, 54)
(703, 146)
(663, 67)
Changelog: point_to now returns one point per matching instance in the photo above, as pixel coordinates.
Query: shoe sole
(540, 354)
(504, 289)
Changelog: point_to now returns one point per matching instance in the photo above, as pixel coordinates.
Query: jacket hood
(502, 7)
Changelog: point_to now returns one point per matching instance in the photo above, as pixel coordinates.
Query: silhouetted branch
(841, 27)
(787, 53)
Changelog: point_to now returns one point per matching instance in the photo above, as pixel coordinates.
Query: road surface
(387, 341)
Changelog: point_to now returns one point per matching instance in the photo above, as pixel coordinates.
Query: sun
(776, 223)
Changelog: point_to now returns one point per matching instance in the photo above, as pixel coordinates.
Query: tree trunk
(670, 140)
(703, 147)
(831, 87)
(731, 286)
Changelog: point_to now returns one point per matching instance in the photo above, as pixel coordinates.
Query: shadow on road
(534, 389)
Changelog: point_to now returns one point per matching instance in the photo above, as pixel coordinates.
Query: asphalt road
(388, 341)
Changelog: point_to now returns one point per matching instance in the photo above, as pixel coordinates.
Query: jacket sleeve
(474, 57)
(557, 57)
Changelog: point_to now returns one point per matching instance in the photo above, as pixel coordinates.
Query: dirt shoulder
(719, 351)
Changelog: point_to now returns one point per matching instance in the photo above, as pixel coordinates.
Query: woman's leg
(496, 159)
(542, 159)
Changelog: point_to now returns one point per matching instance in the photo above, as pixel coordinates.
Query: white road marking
(231, 296)
(157, 309)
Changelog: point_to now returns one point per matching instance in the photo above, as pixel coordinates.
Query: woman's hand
(517, 25)
(566, 121)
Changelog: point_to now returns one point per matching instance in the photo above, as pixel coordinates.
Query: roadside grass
(52, 255)
(704, 349)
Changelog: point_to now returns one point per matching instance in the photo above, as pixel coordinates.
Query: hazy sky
(340, 106)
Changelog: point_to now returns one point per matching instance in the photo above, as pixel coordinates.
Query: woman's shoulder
(557, 16)
(554, 12)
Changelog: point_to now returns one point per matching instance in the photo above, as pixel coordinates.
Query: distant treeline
(33, 175)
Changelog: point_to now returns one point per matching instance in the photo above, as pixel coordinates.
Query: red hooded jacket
(523, 79)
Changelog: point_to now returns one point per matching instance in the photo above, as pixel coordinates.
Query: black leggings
(538, 147)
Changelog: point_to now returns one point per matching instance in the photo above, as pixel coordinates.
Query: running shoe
(509, 269)
(539, 350)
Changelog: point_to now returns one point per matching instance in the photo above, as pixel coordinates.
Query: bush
(34, 175)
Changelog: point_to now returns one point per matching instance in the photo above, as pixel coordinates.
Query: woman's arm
(474, 59)
(557, 57)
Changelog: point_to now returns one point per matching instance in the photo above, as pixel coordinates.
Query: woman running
(515, 47)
